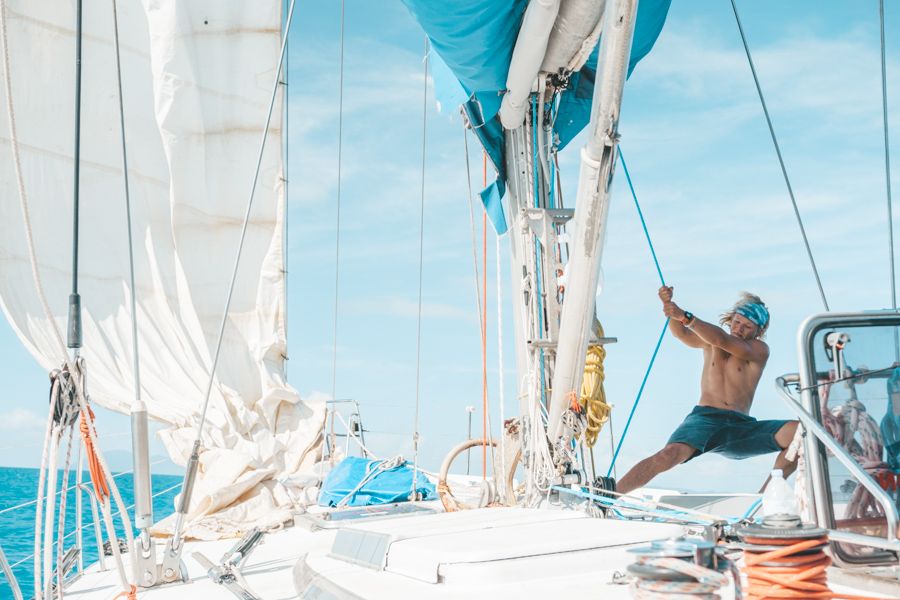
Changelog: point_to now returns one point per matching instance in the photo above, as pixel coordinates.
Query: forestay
(196, 81)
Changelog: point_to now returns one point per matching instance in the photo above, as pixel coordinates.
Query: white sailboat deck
(501, 552)
(506, 552)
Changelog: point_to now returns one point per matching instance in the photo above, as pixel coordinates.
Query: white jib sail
(197, 79)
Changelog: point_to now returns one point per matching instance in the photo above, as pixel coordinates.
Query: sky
(704, 170)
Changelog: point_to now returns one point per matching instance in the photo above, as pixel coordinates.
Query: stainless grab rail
(813, 426)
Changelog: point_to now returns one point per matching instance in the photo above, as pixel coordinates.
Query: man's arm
(676, 327)
(752, 350)
(685, 335)
(700, 334)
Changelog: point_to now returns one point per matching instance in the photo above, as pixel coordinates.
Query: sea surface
(18, 486)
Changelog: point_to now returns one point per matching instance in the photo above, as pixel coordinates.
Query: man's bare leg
(784, 437)
(647, 469)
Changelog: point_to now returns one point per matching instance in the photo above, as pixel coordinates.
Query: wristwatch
(688, 318)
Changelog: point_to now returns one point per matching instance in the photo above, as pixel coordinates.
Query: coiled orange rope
(101, 489)
(799, 574)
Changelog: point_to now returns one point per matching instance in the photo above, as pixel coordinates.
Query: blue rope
(553, 109)
(662, 334)
(638, 399)
(752, 509)
(641, 215)
(659, 512)
(537, 247)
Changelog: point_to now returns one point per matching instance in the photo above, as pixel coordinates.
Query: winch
(692, 568)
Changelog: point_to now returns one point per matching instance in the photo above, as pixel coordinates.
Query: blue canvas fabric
(476, 38)
(727, 432)
(392, 485)
(575, 105)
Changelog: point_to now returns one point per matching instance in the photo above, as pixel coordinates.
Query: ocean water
(17, 526)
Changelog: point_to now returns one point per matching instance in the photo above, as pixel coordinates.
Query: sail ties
(101, 489)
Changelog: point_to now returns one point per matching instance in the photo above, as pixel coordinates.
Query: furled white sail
(197, 78)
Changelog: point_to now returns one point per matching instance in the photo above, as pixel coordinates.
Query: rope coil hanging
(593, 396)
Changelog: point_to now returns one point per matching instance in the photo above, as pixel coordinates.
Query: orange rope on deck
(101, 489)
(129, 595)
(798, 576)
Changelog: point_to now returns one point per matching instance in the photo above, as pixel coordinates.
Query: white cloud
(20, 420)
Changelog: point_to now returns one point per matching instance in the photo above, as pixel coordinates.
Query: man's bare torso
(728, 382)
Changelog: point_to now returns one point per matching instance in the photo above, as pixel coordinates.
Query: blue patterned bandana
(757, 313)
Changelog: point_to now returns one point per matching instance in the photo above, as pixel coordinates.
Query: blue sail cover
(475, 38)
(343, 483)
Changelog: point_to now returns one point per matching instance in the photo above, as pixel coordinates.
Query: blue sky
(705, 172)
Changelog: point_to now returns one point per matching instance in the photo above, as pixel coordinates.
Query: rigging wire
(285, 179)
(472, 224)
(787, 180)
(538, 254)
(414, 495)
(662, 334)
(115, 514)
(484, 385)
(174, 546)
(486, 427)
(500, 374)
(337, 240)
(246, 221)
(137, 406)
(73, 487)
(887, 162)
(74, 331)
(482, 317)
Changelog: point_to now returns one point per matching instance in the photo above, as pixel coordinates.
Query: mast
(591, 208)
(554, 279)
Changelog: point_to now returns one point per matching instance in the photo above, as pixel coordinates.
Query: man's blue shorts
(727, 432)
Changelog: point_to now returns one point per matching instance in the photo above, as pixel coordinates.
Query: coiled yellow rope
(593, 396)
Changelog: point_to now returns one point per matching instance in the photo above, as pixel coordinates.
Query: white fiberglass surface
(267, 570)
(436, 524)
(424, 557)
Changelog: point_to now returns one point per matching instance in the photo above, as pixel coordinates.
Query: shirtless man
(732, 366)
